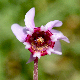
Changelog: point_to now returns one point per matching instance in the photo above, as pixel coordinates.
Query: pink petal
(31, 59)
(19, 32)
(37, 54)
(57, 48)
(54, 31)
(51, 24)
(29, 18)
(59, 35)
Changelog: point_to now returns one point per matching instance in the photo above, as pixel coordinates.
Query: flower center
(40, 41)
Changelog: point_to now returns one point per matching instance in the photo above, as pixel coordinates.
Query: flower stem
(35, 72)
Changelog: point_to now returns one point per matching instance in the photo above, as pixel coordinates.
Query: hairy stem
(35, 73)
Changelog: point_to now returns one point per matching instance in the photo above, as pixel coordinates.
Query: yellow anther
(40, 40)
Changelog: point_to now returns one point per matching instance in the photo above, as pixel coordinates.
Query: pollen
(40, 40)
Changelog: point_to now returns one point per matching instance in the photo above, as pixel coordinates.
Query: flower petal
(51, 24)
(29, 19)
(57, 48)
(59, 35)
(49, 50)
(19, 32)
(54, 31)
(27, 45)
(31, 59)
(37, 54)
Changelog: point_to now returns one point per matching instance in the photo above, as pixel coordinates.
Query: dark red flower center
(40, 41)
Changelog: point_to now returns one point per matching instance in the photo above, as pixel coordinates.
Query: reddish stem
(35, 73)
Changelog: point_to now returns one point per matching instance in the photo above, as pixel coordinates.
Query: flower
(39, 41)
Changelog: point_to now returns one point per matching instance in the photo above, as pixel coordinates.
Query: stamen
(40, 40)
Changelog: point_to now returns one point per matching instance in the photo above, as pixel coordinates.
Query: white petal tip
(29, 32)
(42, 28)
(33, 8)
(29, 19)
(37, 54)
(14, 26)
(49, 51)
(60, 53)
(68, 41)
(27, 45)
(18, 32)
(53, 38)
(57, 52)
(58, 23)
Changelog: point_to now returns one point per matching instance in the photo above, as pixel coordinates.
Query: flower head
(39, 41)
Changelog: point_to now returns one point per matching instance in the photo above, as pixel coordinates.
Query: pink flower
(39, 41)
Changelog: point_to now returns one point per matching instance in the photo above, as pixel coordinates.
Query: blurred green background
(13, 55)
